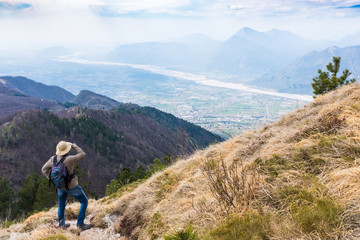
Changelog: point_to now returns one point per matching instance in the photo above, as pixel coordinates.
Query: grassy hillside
(295, 179)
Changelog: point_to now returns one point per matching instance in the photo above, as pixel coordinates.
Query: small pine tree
(27, 194)
(139, 173)
(6, 199)
(167, 160)
(156, 166)
(45, 197)
(124, 176)
(112, 187)
(325, 83)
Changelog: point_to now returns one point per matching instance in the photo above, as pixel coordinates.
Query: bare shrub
(232, 185)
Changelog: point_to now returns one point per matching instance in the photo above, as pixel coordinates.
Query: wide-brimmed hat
(63, 148)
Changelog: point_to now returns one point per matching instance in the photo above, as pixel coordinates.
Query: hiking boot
(65, 226)
(85, 227)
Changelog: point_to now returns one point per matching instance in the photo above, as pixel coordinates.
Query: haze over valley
(244, 82)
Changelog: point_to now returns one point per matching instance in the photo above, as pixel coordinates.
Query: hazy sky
(44, 23)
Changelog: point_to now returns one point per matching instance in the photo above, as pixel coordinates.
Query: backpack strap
(69, 176)
(62, 159)
(54, 163)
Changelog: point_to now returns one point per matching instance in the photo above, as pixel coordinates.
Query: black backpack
(59, 174)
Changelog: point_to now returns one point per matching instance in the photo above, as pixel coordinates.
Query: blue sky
(42, 23)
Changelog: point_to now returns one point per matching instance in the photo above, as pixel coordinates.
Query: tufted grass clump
(311, 211)
(55, 237)
(189, 233)
(272, 166)
(6, 223)
(251, 226)
(166, 183)
(156, 226)
(321, 216)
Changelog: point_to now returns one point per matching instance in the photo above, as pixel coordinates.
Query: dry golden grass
(344, 185)
(310, 155)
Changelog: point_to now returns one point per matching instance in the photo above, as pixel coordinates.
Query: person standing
(72, 187)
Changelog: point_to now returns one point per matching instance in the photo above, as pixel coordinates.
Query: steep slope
(300, 176)
(36, 89)
(297, 76)
(128, 137)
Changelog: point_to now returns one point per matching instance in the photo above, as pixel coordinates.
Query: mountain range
(247, 53)
(272, 59)
(113, 135)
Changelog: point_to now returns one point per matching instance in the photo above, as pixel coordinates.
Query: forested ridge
(112, 140)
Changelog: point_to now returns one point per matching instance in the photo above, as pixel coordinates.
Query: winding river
(199, 79)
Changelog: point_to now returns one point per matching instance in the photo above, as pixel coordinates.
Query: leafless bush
(232, 185)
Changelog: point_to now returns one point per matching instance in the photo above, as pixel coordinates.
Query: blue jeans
(79, 194)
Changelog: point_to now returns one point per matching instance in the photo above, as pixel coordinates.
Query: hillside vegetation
(295, 179)
(128, 136)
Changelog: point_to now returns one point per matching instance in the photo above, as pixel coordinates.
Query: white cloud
(59, 22)
(154, 5)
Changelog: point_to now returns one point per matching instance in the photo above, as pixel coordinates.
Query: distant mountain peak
(246, 31)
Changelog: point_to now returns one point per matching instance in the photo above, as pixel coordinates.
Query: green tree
(325, 83)
(112, 187)
(45, 197)
(6, 199)
(156, 166)
(139, 173)
(124, 176)
(27, 194)
(168, 159)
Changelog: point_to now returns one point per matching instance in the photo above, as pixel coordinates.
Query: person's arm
(73, 159)
(47, 168)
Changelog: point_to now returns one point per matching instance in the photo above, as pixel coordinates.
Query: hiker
(71, 181)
